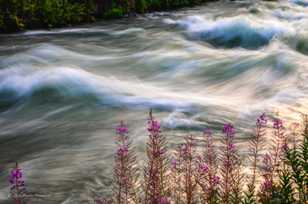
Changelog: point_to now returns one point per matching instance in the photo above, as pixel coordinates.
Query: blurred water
(63, 91)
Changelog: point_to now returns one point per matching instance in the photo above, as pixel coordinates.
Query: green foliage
(141, 6)
(114, 13)
(282, 193)
(291, 185)
(20, 14)
(297, 159)
(304, 152)
(55, 13)
(1, 21)
(16, 15)
(286, 193)
(249, 197)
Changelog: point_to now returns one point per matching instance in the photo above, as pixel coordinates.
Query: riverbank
(24, 15)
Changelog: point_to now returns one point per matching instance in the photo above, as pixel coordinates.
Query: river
(63, 91)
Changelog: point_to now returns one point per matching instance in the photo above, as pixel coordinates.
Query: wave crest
(300, 2)
(63, 82)
(231, 32)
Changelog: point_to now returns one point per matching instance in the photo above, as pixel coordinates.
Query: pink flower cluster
(18, 188)
(228, 129)
(155, 172)
(277, 123)
(121, 129)
(124, 170)
(262, 120)
(154, 127)
(122, 151)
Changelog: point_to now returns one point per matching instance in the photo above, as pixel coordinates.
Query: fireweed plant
(278, 175)
(230, 168)
(207, 175)
(188, 167)
(125, 170)
(255, 147)
(17, 185)
(156, 169)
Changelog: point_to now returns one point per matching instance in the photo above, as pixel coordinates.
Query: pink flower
(122, 151)
(163, 200)
(121, 129)
(203, 168)
(16, 174)
(285, 147)
(231, 147)
(266, 185)
(277, 124)
(216, 180)
(262, 120)
(17, 188)
(174, 164)
(228, 129)
(154, 126)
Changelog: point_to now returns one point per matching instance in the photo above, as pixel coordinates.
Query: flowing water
(63, 91)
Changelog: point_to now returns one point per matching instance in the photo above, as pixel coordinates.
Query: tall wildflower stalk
(186, 153)
(285, 185)
(184, 168)
(272, 162)
(255, 147)
(206, 174)
(156, 169)
(266, 188)
(175, 178)
(230, 169)
(125, 171)
(279, 143)
(17, 185)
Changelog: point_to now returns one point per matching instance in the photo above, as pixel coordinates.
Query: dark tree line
(17, 15)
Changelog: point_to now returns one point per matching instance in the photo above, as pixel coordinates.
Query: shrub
(141, 6)
(114, 13)
(16, 15)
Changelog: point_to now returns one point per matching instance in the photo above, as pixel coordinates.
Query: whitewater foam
(97, 30)
(291, 16)
(73, 82)
(64, 31)
(232, 32)
(46, 53)
(178, 120)
(300, 2)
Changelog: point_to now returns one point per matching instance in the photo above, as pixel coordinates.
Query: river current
(63, 91)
